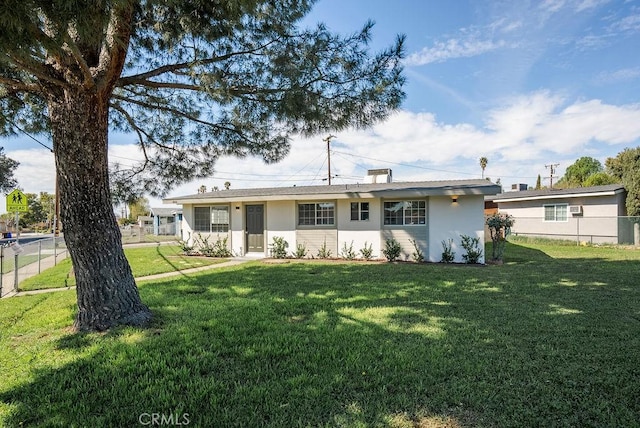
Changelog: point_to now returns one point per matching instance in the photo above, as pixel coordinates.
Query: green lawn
(143, 260)
(551, 338)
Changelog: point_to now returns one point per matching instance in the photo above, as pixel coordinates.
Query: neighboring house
(145, 222)
(428, 212)
(166, 221)
(586, 214)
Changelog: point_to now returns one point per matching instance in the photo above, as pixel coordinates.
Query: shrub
(499, 226)
(448, 255)
(417, 255)
(279, 249)
(472, 247)
(324, 252)
(367, 252)
(301, 251)
(217, 249)
(392, 249)
(347, 252)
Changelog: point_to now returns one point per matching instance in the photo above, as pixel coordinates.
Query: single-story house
(586, 214)
(428, 212)
(166, 221)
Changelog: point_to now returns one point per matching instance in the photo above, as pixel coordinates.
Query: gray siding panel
(404, 235)
(313, 239)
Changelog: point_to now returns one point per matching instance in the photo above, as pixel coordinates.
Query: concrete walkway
(185, 272)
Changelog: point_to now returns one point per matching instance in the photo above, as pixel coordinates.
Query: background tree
(7, 168)
(483, 164)
(140, 207)
(193, 81)
(538, 183)
(626, 168)
(578, 172)
(36, 212)
(600, 179)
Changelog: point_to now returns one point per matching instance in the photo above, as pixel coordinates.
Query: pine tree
(193, 81)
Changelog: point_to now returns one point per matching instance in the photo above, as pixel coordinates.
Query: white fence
(21, 261)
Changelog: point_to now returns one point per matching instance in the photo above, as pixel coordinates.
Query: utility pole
(328, 141)
(552, 170)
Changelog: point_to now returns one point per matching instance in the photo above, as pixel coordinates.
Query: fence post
(15, 270)
(636, 234)
(39, 254)
(1, 268)
(55, 251)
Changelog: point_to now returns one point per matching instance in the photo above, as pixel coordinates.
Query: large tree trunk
(106, 289)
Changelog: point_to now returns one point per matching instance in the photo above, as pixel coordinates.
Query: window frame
(323, 214)
(360, 212)
(410, 209)
(555, 213)
(217, 227)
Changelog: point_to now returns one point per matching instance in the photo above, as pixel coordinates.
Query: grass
(144, 261)
(550, 338)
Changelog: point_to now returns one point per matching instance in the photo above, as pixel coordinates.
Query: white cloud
(622, 75)
(519, 138)
(454, 48)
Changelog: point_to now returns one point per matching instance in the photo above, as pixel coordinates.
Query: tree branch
(170, 85)
(114, 49)
(127, 80)
(75, 52)
(36, 70)
(18, 86)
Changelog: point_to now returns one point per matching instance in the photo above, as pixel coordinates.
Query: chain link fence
(592, 230)
(21, 261)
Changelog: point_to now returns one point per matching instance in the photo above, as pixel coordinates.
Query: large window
(211, 219)
(555, 212)
(359, 211)
(405, 213)
(322, 213)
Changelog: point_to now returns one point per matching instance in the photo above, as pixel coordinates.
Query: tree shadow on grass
(527, 343)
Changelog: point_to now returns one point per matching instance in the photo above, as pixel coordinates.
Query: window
(322, 213)
(359, 211)
(405, 213)
(555, 212)
(211, 219)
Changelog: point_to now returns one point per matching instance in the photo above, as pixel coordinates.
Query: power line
(27, 134)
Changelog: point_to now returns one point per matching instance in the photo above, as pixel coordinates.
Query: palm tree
(483, 164)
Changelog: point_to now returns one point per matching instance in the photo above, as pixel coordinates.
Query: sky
(526, 84)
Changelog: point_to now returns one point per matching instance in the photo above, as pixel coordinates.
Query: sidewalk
(7, 284)
(185, 272)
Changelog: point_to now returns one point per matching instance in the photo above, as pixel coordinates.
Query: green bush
(347, 252)
(324, 252)
(418, 255)
(301, 251)
(499, 227)
(218, 249)
(448, 255)
(392, 249)
(367, 252)
(279, 249)
(472, 247)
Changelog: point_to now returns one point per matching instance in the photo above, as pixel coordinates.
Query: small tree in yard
(192, 81)
(499, 226)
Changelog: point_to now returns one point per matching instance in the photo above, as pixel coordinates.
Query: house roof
(528, 195)
(344, 191)
(165, 212)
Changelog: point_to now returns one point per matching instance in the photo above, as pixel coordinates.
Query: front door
(255, 228)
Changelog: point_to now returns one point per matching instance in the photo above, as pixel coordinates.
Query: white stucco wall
(236, 228)
(280, 220)
(361, 231)
(448, 220)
